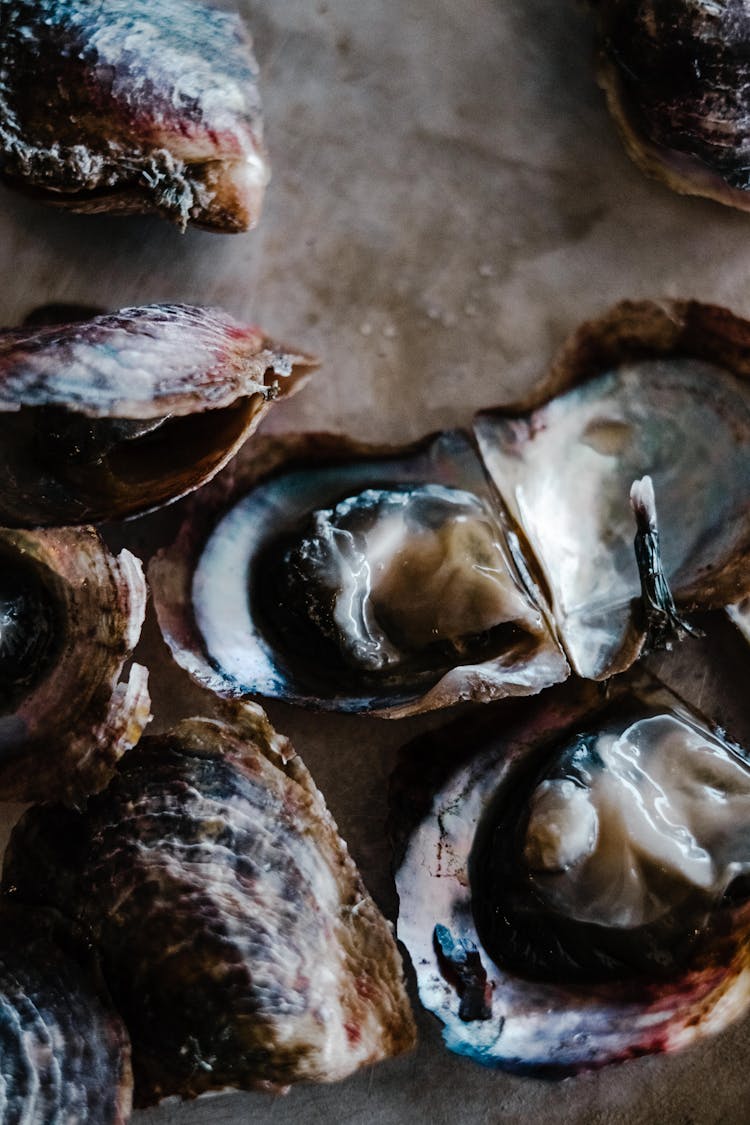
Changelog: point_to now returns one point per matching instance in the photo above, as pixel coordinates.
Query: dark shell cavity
(64, 1052)
(677, 78)
(70, 617)
(303, 513)
(113, 416)
(573, 887)
(132, 106)
(234, 932)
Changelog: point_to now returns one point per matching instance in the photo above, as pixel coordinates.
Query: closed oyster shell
(523, 983)
(676, 76)
(113, 416)
(70, 616)
(132, 106)
(65, 1052)
(235, 934)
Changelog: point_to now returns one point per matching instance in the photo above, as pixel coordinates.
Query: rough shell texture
(673, 364)
(64, 727)
(64, 1053)
(267, 492)
(132, 106)
(675, 73)
(446, 786)
(115, 415)
(235, 934)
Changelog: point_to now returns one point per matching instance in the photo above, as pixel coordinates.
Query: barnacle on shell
(64, 1052)
(70, 616)
(132, 106)
(235, 934)
(115, 415)
(676, 74)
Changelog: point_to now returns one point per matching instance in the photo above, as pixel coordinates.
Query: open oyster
(676, 74)
(235, 934)
(70, 616)
(119, 414)
(575, 891)
(132, 106)
(474, 566)
(65, 1052)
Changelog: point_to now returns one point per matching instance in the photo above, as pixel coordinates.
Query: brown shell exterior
(234, 930)
(65, 737)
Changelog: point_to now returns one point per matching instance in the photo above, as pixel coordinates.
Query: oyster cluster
(132, 106)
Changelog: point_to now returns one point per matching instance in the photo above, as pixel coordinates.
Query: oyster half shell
(65, 1052)
(70, 616)
(116, 415)
(234, 931)
(573, 885)
(676, 77)
(132, 106)
(485, 564)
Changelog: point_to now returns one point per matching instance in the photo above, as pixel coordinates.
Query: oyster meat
(576, 891)
(676, 74)
(65, 1052)
(474, 566)
(132, 106)
(235, 934)
(70, 616)
(116, 415)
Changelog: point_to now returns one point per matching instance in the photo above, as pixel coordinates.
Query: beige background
(448, 201)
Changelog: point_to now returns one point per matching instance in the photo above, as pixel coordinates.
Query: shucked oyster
(70, 617)
(477, 566)
(113, 416)
(132, 106)
(576, 891)
(65, 1053)
(677, 78)
(235, 934)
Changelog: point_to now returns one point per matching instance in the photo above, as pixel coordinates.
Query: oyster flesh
(70, 616)
(132, 106)
(235, 934)
(676, 74)
(65, 1052)
(576, 892)
(481, 565)
(119, 414)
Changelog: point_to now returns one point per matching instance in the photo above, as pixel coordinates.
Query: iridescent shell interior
(575, 890)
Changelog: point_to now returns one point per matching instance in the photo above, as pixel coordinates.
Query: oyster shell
(66, 1054)
(574, 891)
(70, 616)
(235, 934)
(676, 76)
(474, 566)
(132, 106)
(113, 416)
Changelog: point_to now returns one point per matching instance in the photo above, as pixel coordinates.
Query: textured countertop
(448, 201)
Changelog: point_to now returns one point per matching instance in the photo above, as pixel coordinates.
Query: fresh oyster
(575, 891)
(473, 566)
(119, 414)
(70, 616)
(132, 106)
(676, 74)
(65, 1053)
(235, 934)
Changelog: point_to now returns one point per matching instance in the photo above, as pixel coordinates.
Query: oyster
(235, 934)
(116, 415)
(65, 1052)
(676, 74)
(132, 106)
(575, 891)
(474, 566)
(70, 616)
(740, 614)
